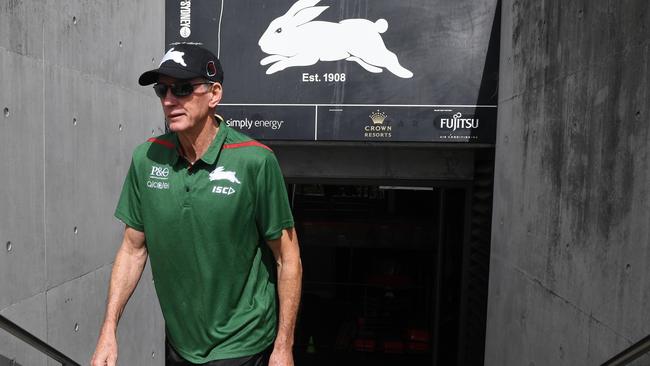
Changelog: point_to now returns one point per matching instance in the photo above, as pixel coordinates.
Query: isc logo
(160, 172)
(223, 190)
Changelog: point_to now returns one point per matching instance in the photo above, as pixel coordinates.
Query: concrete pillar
(569, 274)
(70, 114)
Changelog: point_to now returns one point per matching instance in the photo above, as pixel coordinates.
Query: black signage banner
(350, 70)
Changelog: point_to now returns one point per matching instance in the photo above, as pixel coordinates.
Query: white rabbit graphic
(219, 173)
(176, 56)
(294, 40)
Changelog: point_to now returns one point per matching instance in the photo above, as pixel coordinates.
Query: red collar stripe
(244, 144)
(164, 143)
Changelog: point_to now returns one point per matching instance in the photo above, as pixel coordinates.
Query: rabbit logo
(176, 56)
(293, 39)
(219, 173)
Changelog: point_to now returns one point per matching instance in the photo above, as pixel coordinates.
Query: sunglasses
(178, 90)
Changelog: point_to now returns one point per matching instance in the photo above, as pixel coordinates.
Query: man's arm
(289, 268)
(127, 269)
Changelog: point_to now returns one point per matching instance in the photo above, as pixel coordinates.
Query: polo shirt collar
(211, 155)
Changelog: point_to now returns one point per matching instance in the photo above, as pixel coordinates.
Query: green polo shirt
(205, 227)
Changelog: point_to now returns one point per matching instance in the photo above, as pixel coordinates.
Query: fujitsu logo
(457, 122)
(186, 18)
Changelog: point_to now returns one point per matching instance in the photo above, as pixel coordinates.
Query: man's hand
(127, 269)
(281, 357)
(287, 255)
(106, 351)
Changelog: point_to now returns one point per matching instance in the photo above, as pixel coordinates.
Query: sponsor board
(349, 58)
(345, 123)
(271, 122)
(403, 124)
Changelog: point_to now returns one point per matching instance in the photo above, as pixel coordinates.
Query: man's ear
(216, 92)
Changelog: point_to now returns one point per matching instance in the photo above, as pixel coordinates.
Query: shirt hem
(224, 355)
(128, 221)
(277, 233)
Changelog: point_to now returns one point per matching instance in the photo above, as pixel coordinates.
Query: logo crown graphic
(378, 117)
(458, 115)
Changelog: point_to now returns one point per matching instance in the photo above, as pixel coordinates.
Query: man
(200, 201)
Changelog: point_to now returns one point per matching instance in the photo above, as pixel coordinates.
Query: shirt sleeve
(272, 210)
(128, 207)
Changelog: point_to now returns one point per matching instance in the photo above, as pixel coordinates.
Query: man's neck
(194, 143)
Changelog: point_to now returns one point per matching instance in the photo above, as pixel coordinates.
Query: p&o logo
(157, 177)
(158, 172)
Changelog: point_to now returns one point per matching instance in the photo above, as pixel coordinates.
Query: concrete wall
(569, 276)
(70, 114)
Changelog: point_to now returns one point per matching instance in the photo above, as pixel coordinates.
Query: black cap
(186, 61)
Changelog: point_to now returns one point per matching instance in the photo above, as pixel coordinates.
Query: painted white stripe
(405, 188)
(316, 123)
(358, 105)
(219, 31)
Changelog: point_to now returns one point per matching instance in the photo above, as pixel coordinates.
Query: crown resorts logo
(378, 129)
(378, 117)
(457, 122)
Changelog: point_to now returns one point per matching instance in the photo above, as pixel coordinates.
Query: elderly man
(208, 205)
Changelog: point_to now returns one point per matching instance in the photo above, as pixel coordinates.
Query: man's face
(184, 113)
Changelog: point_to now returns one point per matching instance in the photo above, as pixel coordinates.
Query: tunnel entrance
(382, 273)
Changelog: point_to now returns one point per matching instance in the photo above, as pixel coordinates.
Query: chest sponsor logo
(157, 185)
(221, 174)
(158, 177)
(223, 190)
(158, 172)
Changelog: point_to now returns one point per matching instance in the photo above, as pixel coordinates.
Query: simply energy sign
(350, 70)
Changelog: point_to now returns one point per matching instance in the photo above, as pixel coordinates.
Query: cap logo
(210, 69)
(176, 56)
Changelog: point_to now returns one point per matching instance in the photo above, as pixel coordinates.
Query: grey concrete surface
(569, 280)
(73, 322)
(70, 114)
(21, 196)
(72, 310)
(30, 314)
(21, 27)
(84, 175)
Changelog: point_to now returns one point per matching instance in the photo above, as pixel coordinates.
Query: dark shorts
(260, 359)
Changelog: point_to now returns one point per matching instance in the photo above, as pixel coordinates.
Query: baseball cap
(186, 61)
